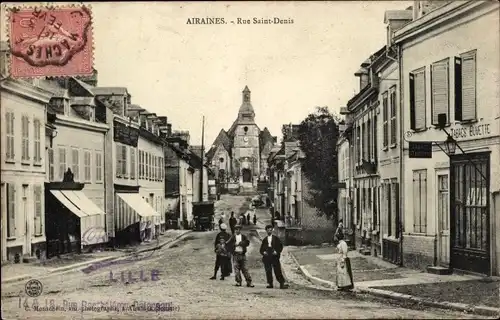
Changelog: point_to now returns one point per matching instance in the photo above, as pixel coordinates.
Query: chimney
(364, 75)
(395, 20)
(421, 8)
(162, 121)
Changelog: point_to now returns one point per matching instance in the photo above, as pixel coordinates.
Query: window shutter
(468, 94)
(11, 207)
(439, 79)
(458, 89)
(420, 100)
(118, 160)
(423, 199)
(397, 211)
(412, 102)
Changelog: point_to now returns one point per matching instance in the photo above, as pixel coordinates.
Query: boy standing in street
(238, 244)
(222, 259)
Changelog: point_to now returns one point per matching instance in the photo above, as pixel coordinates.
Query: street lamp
(451, 145)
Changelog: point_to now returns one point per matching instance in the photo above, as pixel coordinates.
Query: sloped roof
(109, 90)
(85, 86)
(196, 150)
(231, 130)
(222, 139)
(264, 137)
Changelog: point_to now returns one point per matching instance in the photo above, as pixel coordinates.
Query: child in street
(254, 219)
(222, 259)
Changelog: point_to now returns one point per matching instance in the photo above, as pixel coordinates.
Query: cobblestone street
(184, 272)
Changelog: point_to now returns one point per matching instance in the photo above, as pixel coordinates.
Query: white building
(75, 208)
(345, 176)
(450, 65)
(23, 118)
(128, 212)
(151, 169)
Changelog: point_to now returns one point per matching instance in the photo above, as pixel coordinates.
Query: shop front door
(469, 212)
(443, 216)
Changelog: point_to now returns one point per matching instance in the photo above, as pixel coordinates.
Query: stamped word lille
(51, 41)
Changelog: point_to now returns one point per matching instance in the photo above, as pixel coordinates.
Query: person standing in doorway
(270, 249)
(232, 222)
(239, 244)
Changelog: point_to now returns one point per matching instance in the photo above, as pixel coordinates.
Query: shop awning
(77, 202)
(137, 203)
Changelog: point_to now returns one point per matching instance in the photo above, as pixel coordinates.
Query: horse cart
(203, 215)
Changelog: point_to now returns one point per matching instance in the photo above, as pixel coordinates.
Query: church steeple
(246, 112)
(246, 95)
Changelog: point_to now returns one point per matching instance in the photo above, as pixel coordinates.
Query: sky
(187, 71)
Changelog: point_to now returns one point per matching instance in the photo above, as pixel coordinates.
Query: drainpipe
(401, 153)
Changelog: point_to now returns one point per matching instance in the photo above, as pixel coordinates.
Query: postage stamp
(50, 41)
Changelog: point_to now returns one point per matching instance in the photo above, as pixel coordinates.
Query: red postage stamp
(50, 41)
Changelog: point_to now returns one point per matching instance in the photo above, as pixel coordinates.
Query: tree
(318, 135)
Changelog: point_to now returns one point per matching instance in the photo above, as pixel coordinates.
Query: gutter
(401, 153)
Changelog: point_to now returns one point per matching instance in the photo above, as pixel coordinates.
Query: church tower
(246, 149)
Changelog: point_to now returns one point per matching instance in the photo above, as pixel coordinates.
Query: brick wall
(418, 251)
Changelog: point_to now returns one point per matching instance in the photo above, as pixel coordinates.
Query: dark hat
(238, 226)
(269, 226)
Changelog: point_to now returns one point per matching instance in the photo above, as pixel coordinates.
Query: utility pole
(202, 151)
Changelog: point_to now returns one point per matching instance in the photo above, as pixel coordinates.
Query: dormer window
(60, 105)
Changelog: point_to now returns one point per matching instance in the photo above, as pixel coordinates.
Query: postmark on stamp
(50, 41)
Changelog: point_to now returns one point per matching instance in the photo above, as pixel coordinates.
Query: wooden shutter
(458, 89)
(416, 201)
(389, 209)
(385, 119)
(468, 77)
(118, 160)
(38, 210)
(423, 203)
(412, 102)
(397, 216)
(11, 210)
(419, 100)
(439, 87)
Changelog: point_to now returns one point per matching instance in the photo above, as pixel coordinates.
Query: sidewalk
(23, 271)
(375, 276)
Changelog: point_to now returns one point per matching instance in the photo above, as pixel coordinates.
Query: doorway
(469, 212)
(443, 223)
(247, 175)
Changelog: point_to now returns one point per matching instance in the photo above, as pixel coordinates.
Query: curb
(87, 263)
(479, 310)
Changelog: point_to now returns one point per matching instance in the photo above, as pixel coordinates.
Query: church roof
(222, 139)
(246, 107)
(231, 130)
(264, 137)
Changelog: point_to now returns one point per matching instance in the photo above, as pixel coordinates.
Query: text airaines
(205, 21)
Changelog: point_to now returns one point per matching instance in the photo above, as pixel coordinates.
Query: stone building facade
(237, 154)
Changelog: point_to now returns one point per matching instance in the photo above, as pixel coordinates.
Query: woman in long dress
(344, 271)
